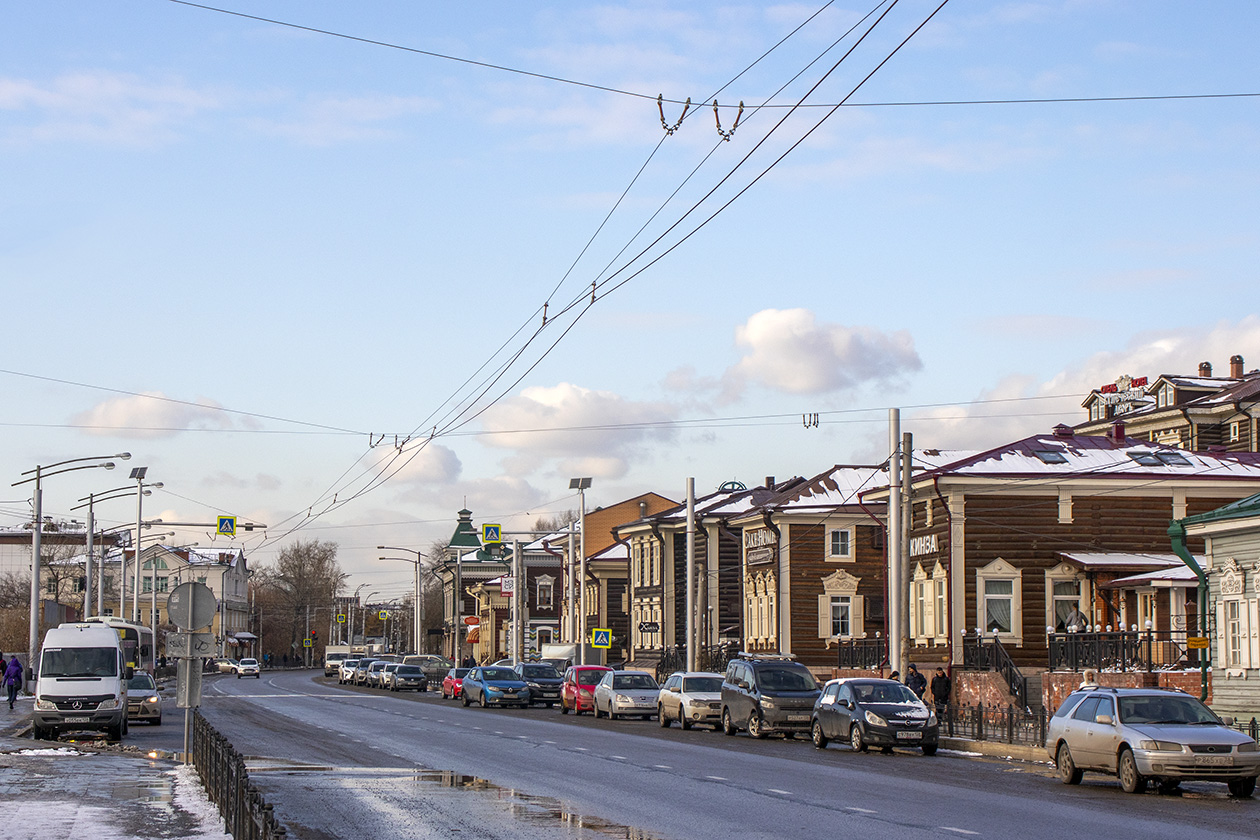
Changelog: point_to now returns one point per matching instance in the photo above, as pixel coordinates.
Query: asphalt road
(338, 762)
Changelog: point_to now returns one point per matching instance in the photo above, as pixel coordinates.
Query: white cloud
(434, 464)
(788, 350)
(576, 427)
(331, 120)
(150, 415)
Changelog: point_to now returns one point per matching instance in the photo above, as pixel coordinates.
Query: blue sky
(233, 214)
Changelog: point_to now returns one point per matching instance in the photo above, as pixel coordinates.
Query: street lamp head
(123, 456)
(109, 465)
(156, 484)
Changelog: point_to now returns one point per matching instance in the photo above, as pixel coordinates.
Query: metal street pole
(893, 543)
(691, 574)
(418, 606)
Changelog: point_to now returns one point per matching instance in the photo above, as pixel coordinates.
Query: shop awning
(473, 636)
(245, 636)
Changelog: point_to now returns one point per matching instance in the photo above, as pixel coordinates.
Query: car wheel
(817, 736)
(483, 701)
(157, 721)
(611, 714)
(564, 710)
(39, 733)
(114, 733)
(1131, 781)
(661, 717)
(682, 720)
(755, 726)
(929, 749)
(856, 741)
(1169, 787)
(728, 725)
(464, 697)
(1242, 788)
(238, 676)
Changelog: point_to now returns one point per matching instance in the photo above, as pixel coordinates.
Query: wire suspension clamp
(809, 421)
(726, 135)
(660, 106)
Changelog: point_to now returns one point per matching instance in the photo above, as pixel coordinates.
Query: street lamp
(418, 607)
(89, 502)
(581, 485)
(39, 474)
(138, 474)
(363, 614)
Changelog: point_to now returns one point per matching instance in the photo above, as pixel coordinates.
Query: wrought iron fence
(246, 815)
(1004, 724)
(1151, 650)
(864, 654)
(713, 659)
(991, 655)
(1250, 729)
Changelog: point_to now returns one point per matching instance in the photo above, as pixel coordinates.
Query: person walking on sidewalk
(915, 681)
(12, 678)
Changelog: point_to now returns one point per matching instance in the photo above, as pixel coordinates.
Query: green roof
(465, 535)
(1240, 509)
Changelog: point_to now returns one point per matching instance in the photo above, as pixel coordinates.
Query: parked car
(372, 677)
(767, 693)
(622, 693)
(360, 671)
(434, 666)
(453, 683)
(226, 666)
(248, 668)
(144, 704)
(690, 697)
(405, 678)
(345, 672)
(491, 686)
(576, 692)
(544, 682)
(873, 713)
(1149, 735)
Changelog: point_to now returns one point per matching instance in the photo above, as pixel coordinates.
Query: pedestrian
(916, 681)
(940, 690)
(12, 678)
(895, 675)
(1089, 679)
(285, 660)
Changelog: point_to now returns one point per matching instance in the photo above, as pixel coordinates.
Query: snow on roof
(1105, 559)
(616, 551)
(837, 487)
(1173, 576)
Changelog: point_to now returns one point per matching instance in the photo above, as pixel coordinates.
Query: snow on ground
(191, 797)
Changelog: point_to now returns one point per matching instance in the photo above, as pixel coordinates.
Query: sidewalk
(71, 790)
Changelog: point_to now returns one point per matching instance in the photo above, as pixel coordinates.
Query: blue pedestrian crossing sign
(491, 534)
(227, 526)
(601, 637)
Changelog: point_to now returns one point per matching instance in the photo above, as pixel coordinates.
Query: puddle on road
(152, 790)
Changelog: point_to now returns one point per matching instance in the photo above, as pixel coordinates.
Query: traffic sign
(383, 614)
(306, 642)
(227, 526)
(507, 585)
(187, 684)
(601, 637)
(341, 618)
(190, 645)
(191, 606)
(492, 534)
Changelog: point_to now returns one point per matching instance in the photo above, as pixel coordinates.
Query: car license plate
(79, 719)
(909, 736)
(797, 718)
(1214, 760)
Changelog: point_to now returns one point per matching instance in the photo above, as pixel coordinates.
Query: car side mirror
(1103, 719)
(129, 672)
(675, 689)
(1228, 720)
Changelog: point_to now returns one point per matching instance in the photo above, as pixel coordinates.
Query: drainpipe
(883, 526)
(1177, 534)
(949, 575)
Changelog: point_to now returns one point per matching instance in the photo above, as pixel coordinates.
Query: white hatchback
(248, 668)
(623, 693)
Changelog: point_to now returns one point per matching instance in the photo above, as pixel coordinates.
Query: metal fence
(713, 659)
(992, 656)
(1004, 724)
(862, 654)
(1249, 728)
(1150, 650)
(246, 815)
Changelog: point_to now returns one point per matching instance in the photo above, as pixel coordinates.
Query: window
(840, 607)
(1050, 456)
(1067, 597)
(1164, 396)
(941, 609)
(997, 605)
(1233, 634)
(1234, 432)
(999, 594)
(545, 593)
(841, 543)
(841, 613)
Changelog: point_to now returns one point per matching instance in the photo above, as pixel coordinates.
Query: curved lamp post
(38, 474)
(418, 607)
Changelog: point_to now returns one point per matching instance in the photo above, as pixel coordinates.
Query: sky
(344, 269)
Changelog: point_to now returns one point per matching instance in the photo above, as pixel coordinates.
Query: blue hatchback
(494, 686)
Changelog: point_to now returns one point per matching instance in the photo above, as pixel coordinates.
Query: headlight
(767, 703)
(1249, 747)
(1161, 746)
(492, 690)
(154, 699)
(45, 705)
(621, 698)
(533, 685)
(931, 718)
(109, 704)
(875, 720)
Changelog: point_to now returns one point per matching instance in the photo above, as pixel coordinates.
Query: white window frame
(840, 538)
(841, 616)
(840, 585)
(548, 584)
(1000, 569)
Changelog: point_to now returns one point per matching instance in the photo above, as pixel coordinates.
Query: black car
(873, 713)
(543, 680)
(767, 693)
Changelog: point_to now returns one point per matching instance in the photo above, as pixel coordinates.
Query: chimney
(1062, 431)
(1117, 431)
(1236, 367)
(769, 482)
(642, 508)
(1205, 369)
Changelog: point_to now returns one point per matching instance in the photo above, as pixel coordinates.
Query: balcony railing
(1149, 650)
(862, 654)
(990, 655)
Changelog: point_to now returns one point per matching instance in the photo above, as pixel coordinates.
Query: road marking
(783, 792)
(718, 778)
(662, 767)
(958, 830)
(496, 732)
(580, 749)
(861, 810)
(618, 757)
(548, 742)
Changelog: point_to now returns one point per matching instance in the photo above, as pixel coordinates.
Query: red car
(453, 683)
(577, 692)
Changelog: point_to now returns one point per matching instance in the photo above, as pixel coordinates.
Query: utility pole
(907, 520)
(893, 542)
(691, 574)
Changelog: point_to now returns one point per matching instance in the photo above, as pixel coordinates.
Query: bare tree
(556, 523)
(299, 589)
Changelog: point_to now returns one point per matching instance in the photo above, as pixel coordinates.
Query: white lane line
(618, 757)
(861, 810)
(496, 732)
(580, 749)
(782, 792)
(548, 742)
(718, 778)
(662, 767)
(958, 830)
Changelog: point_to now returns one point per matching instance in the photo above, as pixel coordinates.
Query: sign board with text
(190, 645)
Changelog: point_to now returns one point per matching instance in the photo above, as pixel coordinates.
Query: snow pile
(191, 798)
(49, 751)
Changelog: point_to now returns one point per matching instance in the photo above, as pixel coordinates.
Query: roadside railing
(713, 659)
(991, 655)
(1004, 724)
(1125, 650)
(862, 654)
(1249, 728)
(246, 814)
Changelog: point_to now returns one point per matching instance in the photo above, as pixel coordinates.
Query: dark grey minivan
(767, 693)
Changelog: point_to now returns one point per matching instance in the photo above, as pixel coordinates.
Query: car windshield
(889, 692)
(350, 663)
(702, 685)
(408, 671)
(589, 677)
(498, 674)
(786, 679)
(1186, 710)
(459, 673)
(539, 672)
(80, 662)
(141, 682)
(631, 681)
(247, 661)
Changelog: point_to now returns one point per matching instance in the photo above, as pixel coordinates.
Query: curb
(995, 749)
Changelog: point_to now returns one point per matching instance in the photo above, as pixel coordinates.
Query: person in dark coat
(915, 681)
(941, 687)
(12, 678)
